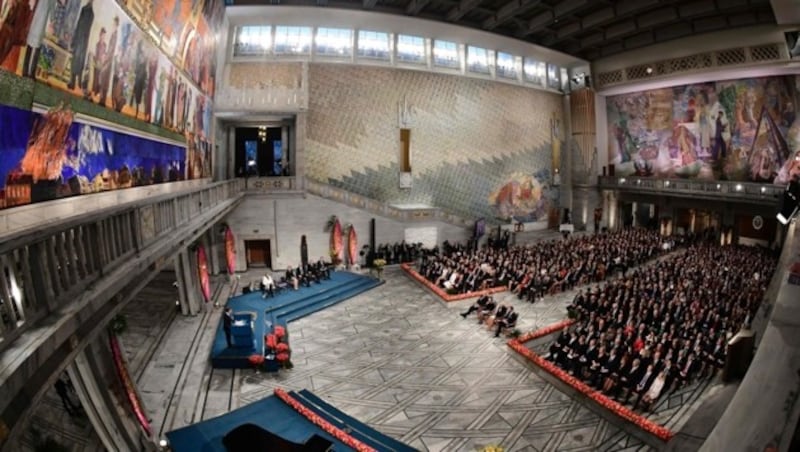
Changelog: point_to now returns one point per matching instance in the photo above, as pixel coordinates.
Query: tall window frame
(252, 40)
(334, 42)
(292, 40)
(376, 45)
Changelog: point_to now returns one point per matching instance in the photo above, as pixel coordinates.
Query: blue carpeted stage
(281, 309)
(274, 415)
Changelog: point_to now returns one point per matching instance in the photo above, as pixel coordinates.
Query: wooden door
(258, 253)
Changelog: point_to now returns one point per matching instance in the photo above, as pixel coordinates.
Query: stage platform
(276, 416)
(281, 309)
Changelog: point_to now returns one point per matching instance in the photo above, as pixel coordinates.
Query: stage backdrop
(49, 156)
(743, 130)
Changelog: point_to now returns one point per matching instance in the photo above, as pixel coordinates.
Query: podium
(739, 355)
(242, 330)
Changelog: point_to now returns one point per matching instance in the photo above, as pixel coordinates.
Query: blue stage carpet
(284, 307)
(270, 414)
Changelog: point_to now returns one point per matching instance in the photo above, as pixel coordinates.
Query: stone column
(299, 160)
(186, 273)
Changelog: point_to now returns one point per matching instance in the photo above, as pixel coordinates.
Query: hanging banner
(352, 245)
(202, 268)
(337, 245)
(230, 250)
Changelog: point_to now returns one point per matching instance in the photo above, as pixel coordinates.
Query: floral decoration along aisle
(518, 345)
(442, 293)
(276, 348)
(315, 419)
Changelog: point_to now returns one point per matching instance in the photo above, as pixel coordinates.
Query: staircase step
(354, 427)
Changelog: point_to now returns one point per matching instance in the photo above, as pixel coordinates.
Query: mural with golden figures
(740, 130)
(94, 51)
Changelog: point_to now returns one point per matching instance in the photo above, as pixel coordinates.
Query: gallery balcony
(725, 191)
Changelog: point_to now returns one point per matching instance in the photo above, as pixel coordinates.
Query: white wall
(284, 221)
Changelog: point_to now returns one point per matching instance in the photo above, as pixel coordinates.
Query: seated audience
(664, 325)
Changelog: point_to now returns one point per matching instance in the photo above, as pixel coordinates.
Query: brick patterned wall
(261, 75)
(468, 137)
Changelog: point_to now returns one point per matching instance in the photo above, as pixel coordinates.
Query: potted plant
(378, 265)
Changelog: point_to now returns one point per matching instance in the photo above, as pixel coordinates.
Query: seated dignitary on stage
(509, 321)
(477, 306)
(267, 285)
(291, 278)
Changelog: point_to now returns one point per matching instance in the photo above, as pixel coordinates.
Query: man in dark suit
(227, 322)
(477, 306)
(509, 321)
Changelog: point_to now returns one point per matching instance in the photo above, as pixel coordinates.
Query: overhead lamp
(649, 70)
(790, 203)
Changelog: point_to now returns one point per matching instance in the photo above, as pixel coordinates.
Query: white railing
(380, 208)
(709, 189)
(268, 98)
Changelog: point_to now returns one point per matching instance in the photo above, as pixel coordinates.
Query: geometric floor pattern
(406, 364)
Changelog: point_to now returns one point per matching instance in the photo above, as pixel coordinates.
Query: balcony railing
(269, 98)
(743, 191)
(43, 269)
(404, 215)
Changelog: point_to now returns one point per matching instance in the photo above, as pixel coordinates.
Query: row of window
(259, 40)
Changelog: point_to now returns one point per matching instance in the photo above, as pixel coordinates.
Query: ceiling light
(649, 70)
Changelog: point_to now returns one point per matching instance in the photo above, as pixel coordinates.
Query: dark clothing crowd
(533, 270)
(664, 325)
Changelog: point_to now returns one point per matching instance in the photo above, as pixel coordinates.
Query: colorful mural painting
(51, 155)
(742, 130)
(153, 70)
(524, 197)
(184, 30)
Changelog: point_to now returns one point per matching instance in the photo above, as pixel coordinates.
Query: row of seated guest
(399, 253)
(532, 270)
(293, 277)
(498, 317)
(666, 324)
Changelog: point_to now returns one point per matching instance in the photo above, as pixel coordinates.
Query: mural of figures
(185, 32)
(15, 22)
(49, 156)
(524, 197)
(743, 130)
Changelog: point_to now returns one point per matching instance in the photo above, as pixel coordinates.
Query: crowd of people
(533, 270)
(664, 325)
(399, 252)
(295, 277)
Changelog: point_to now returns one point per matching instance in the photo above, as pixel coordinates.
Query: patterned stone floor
(406, 364)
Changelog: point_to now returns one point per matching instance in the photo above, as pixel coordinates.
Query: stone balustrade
(61, 283)
(718, 190)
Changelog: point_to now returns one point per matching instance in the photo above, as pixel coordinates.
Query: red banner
(202, 270)
(230, 250)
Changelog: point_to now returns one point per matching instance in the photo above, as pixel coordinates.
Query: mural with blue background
(45, 156)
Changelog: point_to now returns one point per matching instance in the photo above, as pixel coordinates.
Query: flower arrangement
(620, 410)
(118, 324)
(315, 419)
(256, 360)
(492, 448)
(379, 263)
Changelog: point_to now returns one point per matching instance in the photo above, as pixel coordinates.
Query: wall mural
(741, 130)
(51, 155)
(524, 198)
(92, 49)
